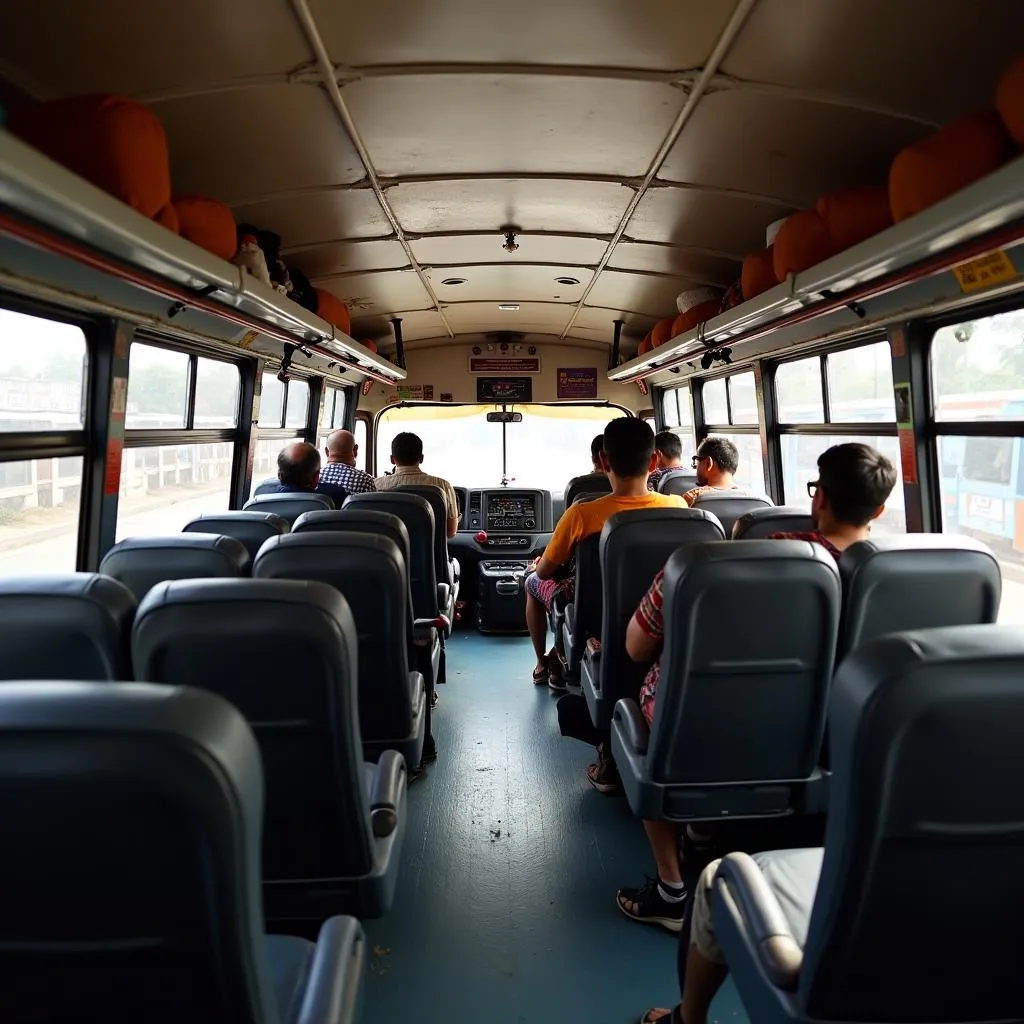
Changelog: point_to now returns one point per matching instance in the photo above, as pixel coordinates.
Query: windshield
(546, 450)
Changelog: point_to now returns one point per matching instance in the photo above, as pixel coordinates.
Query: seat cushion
(290, 961)
(792, 876)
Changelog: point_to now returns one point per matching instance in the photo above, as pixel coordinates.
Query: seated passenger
(716, 462)
(669, 449)
(627, 457)
(854, 482)
(298, 469)
(406, 457)
(578, 483)
(340, 469)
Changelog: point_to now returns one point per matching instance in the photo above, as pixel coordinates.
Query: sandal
(649, 907)
(540, 673)
(659, 1015)
(604, 777)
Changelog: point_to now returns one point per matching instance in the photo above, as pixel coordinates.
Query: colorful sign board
(502, 366)
(577, 382)
(504, 389)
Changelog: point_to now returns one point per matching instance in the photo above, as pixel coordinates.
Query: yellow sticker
(993, 268)
(248, 338)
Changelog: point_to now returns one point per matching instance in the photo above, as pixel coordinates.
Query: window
(977, 378)
(716, 402)
(798, 391)
(297, 406)
(742, 398)
(217, 394)
(683, 424)
(750, 474)
(670, 408)
(335, 401)
(360, 428)
(732, 402)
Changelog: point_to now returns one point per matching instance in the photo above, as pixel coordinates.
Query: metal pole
(396, 322)
(615, 345)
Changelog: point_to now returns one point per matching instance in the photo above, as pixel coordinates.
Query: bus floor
(505, 906)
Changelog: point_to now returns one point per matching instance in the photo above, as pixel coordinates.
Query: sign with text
(577, 382)
(500, 366)
(411, 393)
(504, 389)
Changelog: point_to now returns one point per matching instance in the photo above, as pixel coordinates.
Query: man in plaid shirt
(340, 467)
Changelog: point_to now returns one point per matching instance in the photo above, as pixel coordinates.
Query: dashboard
(510, 512)
(503, 510)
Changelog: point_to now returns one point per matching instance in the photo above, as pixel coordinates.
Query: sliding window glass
(333, 417)
(283, 418)
(831, 399)
(678, 416)
(730, 411)
(181, 430)
(43, 365)
(977, 375)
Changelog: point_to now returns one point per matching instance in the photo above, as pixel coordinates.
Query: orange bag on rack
(662, 332)
(801, 242)
(113, 142)
(855, 214)
(645, 346)
(207, 223)
(370, 345)
(1010, 100)
(758, 273)
(946, 161)
(168, 218)
(696, 315)
(333, 310)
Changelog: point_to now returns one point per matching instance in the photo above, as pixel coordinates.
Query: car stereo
(511, 512)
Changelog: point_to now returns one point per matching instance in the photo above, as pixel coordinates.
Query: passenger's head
(669, 448)
(596, 447)
(298, 465)
(854, 482)
(716, 462)
(342, 447)
(406, 450)
(628, 448)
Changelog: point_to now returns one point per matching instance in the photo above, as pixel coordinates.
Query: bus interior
(227, 228)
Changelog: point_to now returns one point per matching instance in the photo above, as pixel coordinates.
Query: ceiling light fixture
(452, 281)
(508, 307)
(510, 231)
(567, 280)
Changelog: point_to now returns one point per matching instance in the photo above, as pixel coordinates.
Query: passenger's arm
(646, 630)
(640, 646)
(545, 567)
(453, 511)
(560, 547)
(453, 527)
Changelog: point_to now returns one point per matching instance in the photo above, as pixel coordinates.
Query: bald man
(298, 470)
(340, 470)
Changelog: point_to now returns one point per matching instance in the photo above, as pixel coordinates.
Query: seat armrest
(423, 629)
(740, 879)
(385, 793)
(444, 595)
(335, 976)
(455, 568)
(634, 726)
(416, 686)
(570, 618)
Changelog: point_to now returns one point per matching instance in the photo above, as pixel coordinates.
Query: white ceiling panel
(319, 217)
(666, 259)
(367, 294)
(346, 257)
(703, 220)
(599, 324)
(511, 283)
(544, 317)
(487, 248)
(511, 123)
(932, 58)
(621, 33)
(791, 149)
(219, 142)
(128, 46)
(416, 326)
(540, 205)
(637, 293)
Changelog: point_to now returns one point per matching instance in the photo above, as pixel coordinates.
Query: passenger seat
(761, 523)
(290, 505)
(251, 528)
(728, 506)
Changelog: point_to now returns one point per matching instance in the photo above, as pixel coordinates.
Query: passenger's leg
(537, 621)
(663, 900)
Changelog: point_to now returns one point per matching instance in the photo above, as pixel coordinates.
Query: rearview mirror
(504, 417)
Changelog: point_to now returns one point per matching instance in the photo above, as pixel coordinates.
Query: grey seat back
(926, 747)
(920, 581)
(140, 563)
(435, 498)
(728, 506)
(589, 483)
(268, 486)
(418, 517)
(66, 626)
(288, 506)
(131, 876)
(588, 496)
(587, 596)
(750, 636)
(634, 548)
(356, 520)
(251, 528)
(677, 481)
(369, 571)
(762, 522)
(284, 653)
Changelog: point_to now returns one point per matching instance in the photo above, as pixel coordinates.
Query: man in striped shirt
(340, 468)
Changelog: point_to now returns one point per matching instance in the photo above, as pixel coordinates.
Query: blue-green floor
(505, 909)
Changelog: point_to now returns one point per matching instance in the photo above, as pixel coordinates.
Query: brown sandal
(540, 674)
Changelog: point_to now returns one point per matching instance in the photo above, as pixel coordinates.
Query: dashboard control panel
(511, 512)
(502, 510)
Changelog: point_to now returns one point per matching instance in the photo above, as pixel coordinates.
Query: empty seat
(251, 528)
(356, 520)
(677, 481)
(284, 653)
(591, 483)
(70, 626)
(446, 568)
(370, 572)
(634, 547)
(739, 715)
(142, 562)
(130, 874)
(728, 506)
(288, 506)
(763, 522)
(926, 731)
(918, 581)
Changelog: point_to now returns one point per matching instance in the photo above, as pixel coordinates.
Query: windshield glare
(545, 451)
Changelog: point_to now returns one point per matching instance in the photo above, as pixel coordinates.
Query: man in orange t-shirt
(628, 457)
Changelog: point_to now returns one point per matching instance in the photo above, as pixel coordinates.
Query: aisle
(505, 906)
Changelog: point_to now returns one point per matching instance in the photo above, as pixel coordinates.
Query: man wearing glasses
(716, 463)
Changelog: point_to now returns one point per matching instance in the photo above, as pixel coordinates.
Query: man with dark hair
(716, 462)
(627, 457)
(406, 457)
(596, 447)
(298, 470)
(669, 449)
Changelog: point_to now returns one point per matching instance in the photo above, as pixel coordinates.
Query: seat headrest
(677, 481)
(730, 505)
(655, 523)
(356, 520)
(65, 626)
(211, 522)
(723, 557)
(329, 551)
(400, 501)
(289, 505)
(760, 523)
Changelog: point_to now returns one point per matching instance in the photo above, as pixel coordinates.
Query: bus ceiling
(599, 175)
